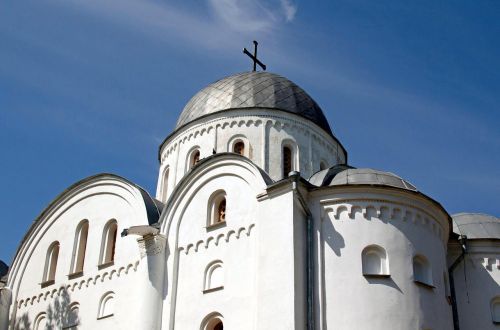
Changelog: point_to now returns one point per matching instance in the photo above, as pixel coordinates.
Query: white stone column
(152, 250)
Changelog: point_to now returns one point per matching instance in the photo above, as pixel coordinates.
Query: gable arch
(219, 165)
(64, 214)
(193, 191)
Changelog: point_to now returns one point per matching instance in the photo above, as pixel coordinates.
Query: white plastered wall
(265, 131)
(255, 247)
(348, 220)
(97, 200)
(477, 284)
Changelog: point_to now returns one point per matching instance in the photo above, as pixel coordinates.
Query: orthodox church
(258, 222)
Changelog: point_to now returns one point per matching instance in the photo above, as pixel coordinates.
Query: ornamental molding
(216, 240)
(383, 210)
(489, 263)
(78, 284)
(240, 120)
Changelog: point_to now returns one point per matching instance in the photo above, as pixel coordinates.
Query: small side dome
(347, 175)
(476, 225)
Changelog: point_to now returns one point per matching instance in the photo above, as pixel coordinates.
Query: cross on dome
(254, 57)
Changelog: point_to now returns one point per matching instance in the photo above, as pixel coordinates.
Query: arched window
(164, 184)
(213, 322)
(79, 247)
(194, 158)
(217, 208)
(49, 273)
(108, 244)
(239, 148)
(106, 305)
(40, 322)
(214, 277)
(374, 261)
(287, 161)
(422, 272)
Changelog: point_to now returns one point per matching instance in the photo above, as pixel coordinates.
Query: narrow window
(374, 261)
(195, 158)
(79, 247)
(422, 272)
(221, 211)
(108, 243)
(239, 148)
(51, 264)
(287, 161)
(106, 305)
(164, 186)
(217, 208)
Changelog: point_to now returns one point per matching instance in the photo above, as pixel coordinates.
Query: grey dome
(348, 175)
(476, 225)
(253, 89)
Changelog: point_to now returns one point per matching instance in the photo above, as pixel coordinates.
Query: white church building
(257, 223)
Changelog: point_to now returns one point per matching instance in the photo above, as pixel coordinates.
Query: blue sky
(90, 86)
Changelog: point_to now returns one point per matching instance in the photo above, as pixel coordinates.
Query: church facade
(258, 222)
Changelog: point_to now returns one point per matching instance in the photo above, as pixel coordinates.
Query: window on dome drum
(287, 161)
(49, 273)
(422, 272)
(217, 208)
(108, 244)
(106, 305)
(79, 248)
(374, 261)
(195, 158)
(239, 148)
(164, 186)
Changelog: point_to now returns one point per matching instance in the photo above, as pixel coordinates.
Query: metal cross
(254, 57)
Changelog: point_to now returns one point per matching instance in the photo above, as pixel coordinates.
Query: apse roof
(348, 175)
(476, 225)
(253, 89)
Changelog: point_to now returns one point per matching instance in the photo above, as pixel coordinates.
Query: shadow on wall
(332, 237)
(384, 281)
(476, 289)
(60, 313)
